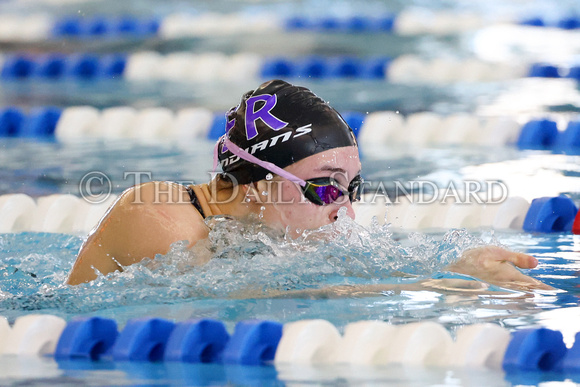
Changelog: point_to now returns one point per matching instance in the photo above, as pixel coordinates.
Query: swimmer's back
(143, 222)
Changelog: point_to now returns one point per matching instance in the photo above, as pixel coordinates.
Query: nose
(333, 216)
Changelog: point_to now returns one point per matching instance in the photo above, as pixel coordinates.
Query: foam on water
(244, 259)
(240, 259)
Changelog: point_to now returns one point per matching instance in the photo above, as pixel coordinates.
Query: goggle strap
(236, 150)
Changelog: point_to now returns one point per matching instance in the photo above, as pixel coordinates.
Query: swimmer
(287, 158)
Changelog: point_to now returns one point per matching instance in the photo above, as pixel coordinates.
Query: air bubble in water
(269, 176)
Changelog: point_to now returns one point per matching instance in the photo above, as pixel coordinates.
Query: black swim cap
(280, 123)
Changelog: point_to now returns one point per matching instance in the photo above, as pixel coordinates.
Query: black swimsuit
(195, 201)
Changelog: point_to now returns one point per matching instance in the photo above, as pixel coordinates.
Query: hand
(499, 267)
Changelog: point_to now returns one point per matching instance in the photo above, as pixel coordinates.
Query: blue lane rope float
(544, 70)
(296, 23)
(143, 340)
(18, 67)
(218, 127)
(328, 23)
(574, 73)
(50, 66)
(10, 121)
(319, 67)
(548, 215)
(569, 23)
(533, 22)
(351, 24)
(547, 70)
(97, 26)
(254, 342)
(313, 66)
(538, 134)
(68, 26)
(345, 67)
(565, 22)
(361, 24)
(197, 341)
(354, 120)
(138, 27)
(278, 67)
(375, 67)
(57, 66)
(82, 66)
(113, 65)
(534, 350)
(105, 27)
(40, 122)
(86, 338)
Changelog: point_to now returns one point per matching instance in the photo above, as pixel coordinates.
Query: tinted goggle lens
(326, 190)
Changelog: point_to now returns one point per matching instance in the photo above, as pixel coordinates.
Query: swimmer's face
(284, 205)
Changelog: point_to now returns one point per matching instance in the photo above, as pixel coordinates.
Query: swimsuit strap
(195, 201)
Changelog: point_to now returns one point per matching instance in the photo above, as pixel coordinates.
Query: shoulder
(154, 193)
(160, 209)
(160, 203)
(143, 222)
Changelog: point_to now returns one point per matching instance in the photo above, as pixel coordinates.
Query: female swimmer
(288, 157)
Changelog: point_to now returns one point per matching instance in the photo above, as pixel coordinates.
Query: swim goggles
(326, 190)
(320, 191)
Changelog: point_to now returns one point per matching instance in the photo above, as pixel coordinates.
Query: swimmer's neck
(226, 200)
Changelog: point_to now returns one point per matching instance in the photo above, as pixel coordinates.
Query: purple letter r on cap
(263, 114)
